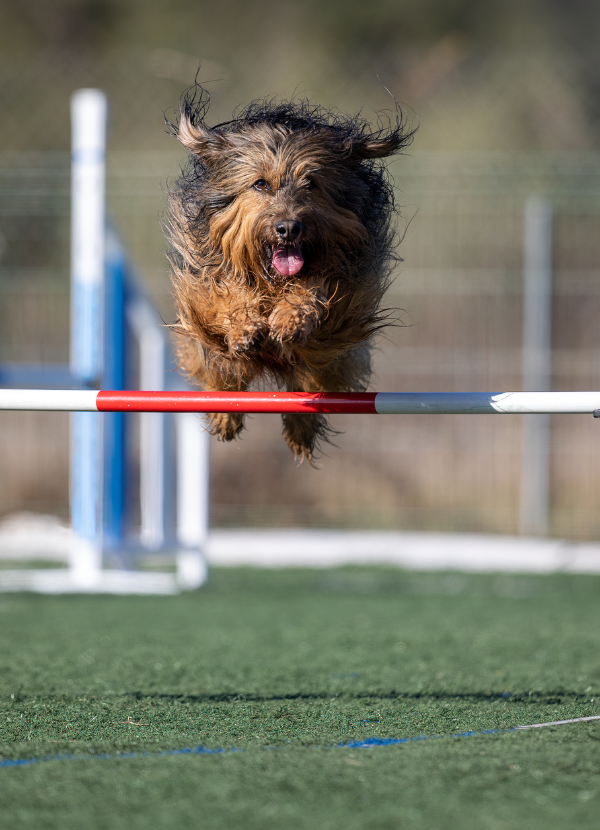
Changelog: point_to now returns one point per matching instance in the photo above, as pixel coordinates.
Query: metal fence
(460, 289)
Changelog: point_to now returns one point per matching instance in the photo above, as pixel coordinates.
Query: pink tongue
(288, 260)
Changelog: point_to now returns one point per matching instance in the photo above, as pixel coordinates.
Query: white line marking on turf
(557, 722)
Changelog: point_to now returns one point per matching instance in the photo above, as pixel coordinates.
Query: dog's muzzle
(287, 255)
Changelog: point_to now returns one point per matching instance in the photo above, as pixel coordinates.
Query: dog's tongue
(288, 259)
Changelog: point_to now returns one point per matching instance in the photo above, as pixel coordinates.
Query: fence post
(536, 367)
(88, 124)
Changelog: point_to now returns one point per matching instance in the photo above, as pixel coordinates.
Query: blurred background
(507, 99)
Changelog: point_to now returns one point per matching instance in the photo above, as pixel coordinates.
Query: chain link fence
(460, 294)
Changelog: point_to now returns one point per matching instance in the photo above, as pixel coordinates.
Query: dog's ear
(378, 148)
(200, 139)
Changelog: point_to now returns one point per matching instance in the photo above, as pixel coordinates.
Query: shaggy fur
(282, 245)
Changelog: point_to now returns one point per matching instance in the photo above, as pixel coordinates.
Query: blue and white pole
(88, 220)
(114, 471)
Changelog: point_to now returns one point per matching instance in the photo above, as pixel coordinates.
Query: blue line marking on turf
(204, 750)
(370, 742)
(104, 756)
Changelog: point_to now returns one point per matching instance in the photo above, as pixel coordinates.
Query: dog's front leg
(242, 316)
(296, 316)
(245, 331)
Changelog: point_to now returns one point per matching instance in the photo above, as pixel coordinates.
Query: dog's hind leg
(305, 433)
(225, 425)
(215, 373)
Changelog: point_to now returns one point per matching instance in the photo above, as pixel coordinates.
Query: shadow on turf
(544, 698)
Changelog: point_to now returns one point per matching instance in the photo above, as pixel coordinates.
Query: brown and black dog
(282, 247)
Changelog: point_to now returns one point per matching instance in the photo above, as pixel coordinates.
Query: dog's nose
(288, 230)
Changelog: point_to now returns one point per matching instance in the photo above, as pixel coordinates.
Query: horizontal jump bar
(382, 403)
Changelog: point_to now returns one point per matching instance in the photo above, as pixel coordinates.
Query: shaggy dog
(282, 246)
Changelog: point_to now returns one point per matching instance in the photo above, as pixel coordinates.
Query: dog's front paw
(291, 323)
(245, 335)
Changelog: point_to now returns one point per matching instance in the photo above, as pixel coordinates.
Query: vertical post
(88, 122)
(536, 369)
(146, 326)
(192, 499)
(152, 441)
(113, 377)
(191, 440)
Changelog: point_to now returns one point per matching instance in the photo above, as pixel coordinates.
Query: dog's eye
(310, 185)
(262, 184)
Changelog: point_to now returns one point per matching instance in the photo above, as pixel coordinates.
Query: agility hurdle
(188, 405)
(342, 403)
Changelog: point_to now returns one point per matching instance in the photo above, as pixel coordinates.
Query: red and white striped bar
(351, 403)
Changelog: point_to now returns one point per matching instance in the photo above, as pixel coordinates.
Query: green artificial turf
(285, 665)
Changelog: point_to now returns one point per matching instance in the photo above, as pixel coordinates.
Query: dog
(282, 246)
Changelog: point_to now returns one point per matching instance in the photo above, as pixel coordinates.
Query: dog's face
(283, 203)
